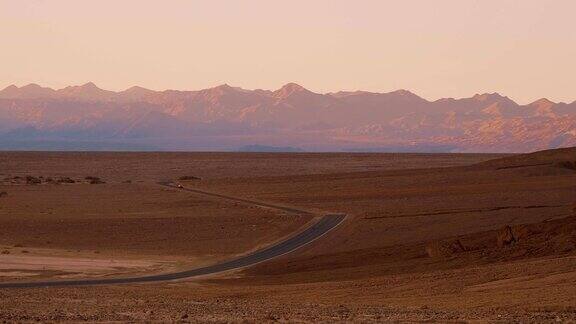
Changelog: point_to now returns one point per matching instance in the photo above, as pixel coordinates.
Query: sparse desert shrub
(65, 180)
(5, 252)
(32, 180)
(94, 180)
(184, 178)
(505, 236)
(566, 165)
(272, 317)
(444, 249)
(3, 193)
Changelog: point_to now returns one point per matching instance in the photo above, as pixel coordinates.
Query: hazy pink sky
(525, 49)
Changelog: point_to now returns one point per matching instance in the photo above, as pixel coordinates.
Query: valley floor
(428, 237)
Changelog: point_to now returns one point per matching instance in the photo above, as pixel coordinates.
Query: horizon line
(90, 83)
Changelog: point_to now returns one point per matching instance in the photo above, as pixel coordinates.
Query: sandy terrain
(426, 236)
(25, 265)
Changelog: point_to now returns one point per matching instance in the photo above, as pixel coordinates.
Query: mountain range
(227, 118)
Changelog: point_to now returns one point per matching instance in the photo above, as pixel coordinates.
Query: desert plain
(427, 237)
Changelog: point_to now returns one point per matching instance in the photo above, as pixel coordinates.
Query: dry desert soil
(428, 237)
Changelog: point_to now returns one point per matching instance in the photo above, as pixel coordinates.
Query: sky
(525, 49)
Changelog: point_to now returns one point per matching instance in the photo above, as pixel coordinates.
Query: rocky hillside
(226, 117)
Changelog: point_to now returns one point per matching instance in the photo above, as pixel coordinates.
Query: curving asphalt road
(242, 200)
(325, 224)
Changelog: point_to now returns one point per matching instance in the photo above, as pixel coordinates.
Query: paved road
(242, 200)
(321, 227)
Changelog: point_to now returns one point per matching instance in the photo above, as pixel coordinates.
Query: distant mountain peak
(10, 91)
(293, 87)
(31, 86)
(86, 87)
(223, 89)
(542, 102)
(403, 92)
(407, 94)
(290, 89)
(88, 91)
(90, 85)
(31, 90)
(488, 96)
(10, 88)
(224, 86)
(134, 93)
(491, 98)
(137, 89)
